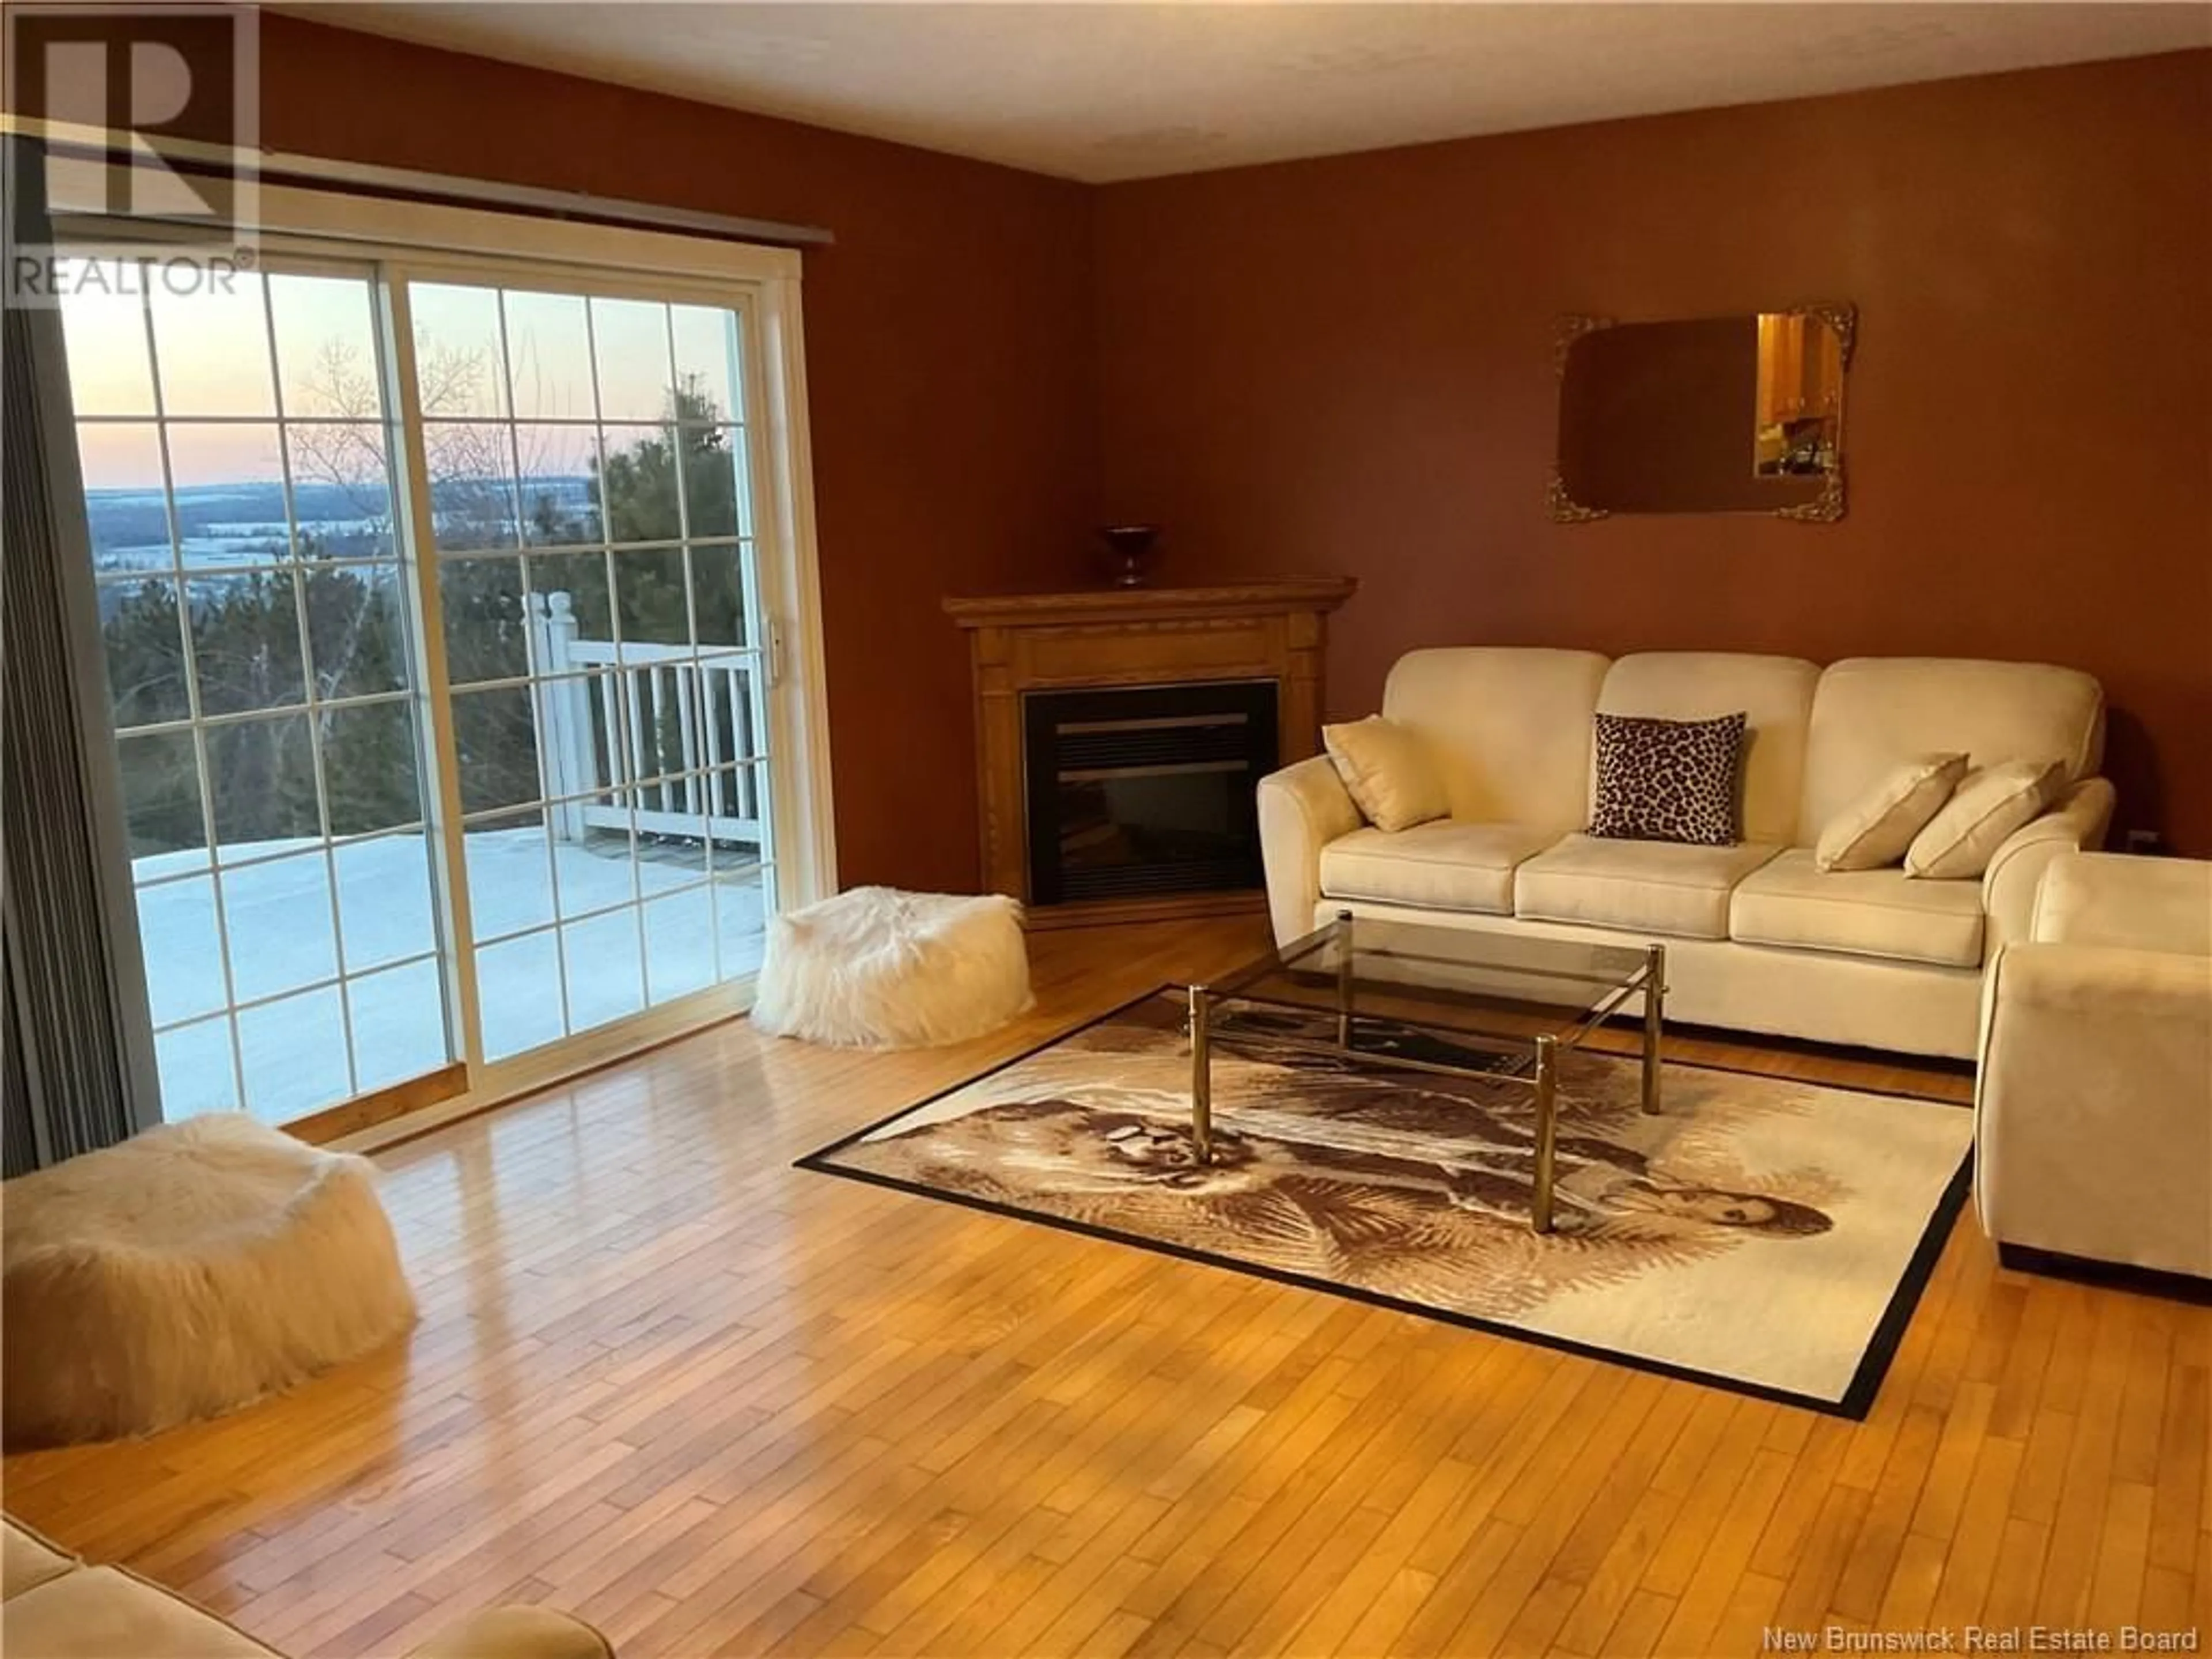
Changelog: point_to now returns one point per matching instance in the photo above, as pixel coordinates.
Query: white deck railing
(648, 730)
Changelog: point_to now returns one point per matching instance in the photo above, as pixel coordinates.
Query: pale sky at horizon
(214, 356)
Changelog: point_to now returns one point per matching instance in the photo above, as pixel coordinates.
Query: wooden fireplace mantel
(1126, 636)
(1282, 596)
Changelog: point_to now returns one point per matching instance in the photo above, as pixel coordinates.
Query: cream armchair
(2094, 1096)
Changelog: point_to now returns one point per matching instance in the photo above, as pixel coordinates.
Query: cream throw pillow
(1991, 802)
(1881, 824)
(1387, 770)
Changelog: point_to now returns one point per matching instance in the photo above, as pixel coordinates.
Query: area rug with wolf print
(1759, 1233)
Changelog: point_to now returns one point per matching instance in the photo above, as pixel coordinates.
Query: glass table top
(1448, 979)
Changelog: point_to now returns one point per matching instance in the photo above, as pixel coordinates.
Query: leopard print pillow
(1667, 779)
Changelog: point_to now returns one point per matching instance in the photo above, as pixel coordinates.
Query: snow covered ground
(569, 975)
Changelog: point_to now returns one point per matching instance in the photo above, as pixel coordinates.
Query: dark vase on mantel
(1130, 544)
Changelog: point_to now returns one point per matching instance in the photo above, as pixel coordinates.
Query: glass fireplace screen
(1147, 791)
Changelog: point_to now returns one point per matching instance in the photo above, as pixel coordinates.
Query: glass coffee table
(1519, 999)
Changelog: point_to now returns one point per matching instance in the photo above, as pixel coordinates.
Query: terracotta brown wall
(1344, 365)
(949, 367)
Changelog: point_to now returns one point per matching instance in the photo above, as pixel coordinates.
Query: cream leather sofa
(1758, 939)
(2093, 1124)
(54, 1607)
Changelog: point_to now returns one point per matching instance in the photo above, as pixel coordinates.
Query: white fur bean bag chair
(878, 969)
(189, 1270)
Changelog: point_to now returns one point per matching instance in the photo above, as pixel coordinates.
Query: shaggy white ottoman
(878, 969)
(184, 1272)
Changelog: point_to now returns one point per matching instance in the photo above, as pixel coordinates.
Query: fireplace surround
(1120, 733)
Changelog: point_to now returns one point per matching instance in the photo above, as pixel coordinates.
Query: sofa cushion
(1870, 713)
(1776, 696)
(1643, 886)
(1386, 771)
(1510, 728)
(28, 1560)
(1445, 866)
(1660, 779)
(98, 1613)
(1793, 904)
(1881, 825)
(1960, 841)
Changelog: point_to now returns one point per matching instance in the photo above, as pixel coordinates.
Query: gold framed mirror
(1734, 414)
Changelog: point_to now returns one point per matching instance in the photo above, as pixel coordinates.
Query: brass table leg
(1547, 1132)
(1344, 979)
(1202, 1090)
(1655, 1012)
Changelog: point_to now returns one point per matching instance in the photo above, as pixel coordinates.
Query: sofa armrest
(2094, 1104)
(2139, 904)
(1302, 808)
(2009, 884)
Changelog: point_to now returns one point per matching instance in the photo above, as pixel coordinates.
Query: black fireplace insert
(1148, 791)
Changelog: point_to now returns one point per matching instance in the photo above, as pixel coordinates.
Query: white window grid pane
(369, 1001)
(388, 897)
(600, 990)
(294, 420)
(542, 906)
(542, 738)
(321, 982)
(338, 844)
(350, 566)
(497, 1029)
(678, 928)
(313, 709)
(86, 317)
(288, 1045)
(728, 874)
(604, 759)
(185, 983)
(600, 875)
(280, 711)
(136, 582)
(219, 1032)
(729, 775)
(193, 704)
(731, 963)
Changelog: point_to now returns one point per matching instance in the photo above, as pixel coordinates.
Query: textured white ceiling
(1128, 89)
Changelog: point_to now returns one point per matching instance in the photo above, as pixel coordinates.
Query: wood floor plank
(719, 1404)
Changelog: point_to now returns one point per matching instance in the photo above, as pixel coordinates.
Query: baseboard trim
(2112, 1275)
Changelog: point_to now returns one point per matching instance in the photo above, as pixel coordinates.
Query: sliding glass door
(255, 622)
(589, 499)
(442, 662)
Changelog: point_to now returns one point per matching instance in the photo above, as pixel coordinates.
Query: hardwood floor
(719, 1407)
